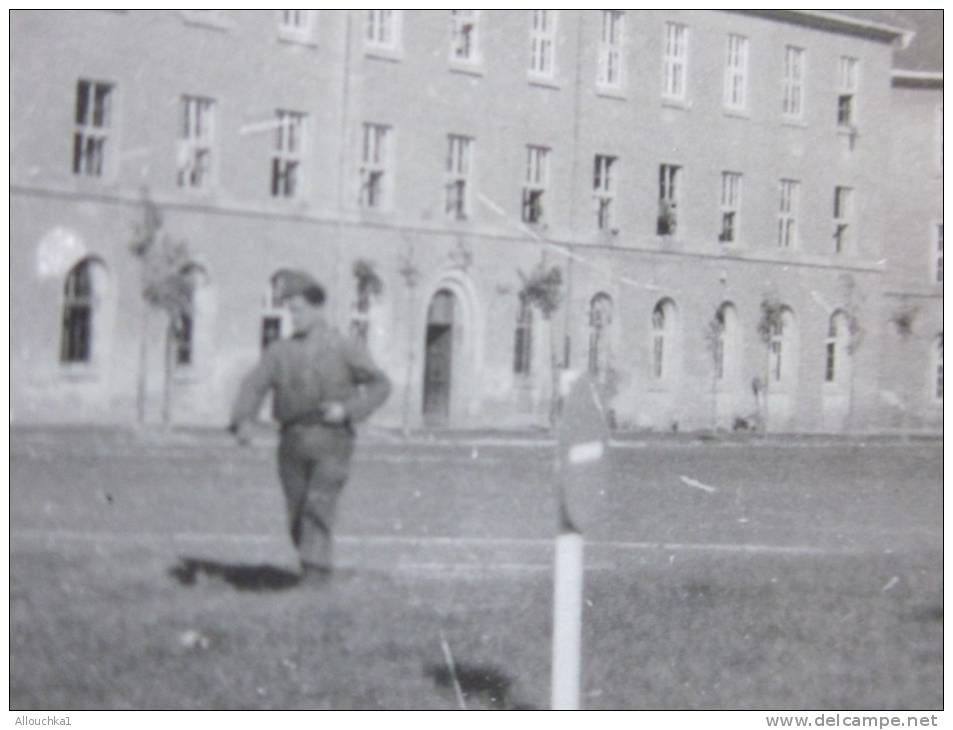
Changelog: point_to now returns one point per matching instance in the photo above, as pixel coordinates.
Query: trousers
(313, 464)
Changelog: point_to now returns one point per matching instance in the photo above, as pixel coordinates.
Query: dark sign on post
(582, 445)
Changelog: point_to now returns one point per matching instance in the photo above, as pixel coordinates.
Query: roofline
(917, 79)
(826, 20)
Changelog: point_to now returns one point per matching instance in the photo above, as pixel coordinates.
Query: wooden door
(438, 362)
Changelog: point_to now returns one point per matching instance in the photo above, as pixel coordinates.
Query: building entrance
(438, 353)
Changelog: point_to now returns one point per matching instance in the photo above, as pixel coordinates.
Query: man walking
(322, 383)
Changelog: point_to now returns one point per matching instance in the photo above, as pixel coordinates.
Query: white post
(567, 621)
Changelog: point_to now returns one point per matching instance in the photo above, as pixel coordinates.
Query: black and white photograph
(484, 359)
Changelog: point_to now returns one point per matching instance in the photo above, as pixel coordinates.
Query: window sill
(730, 247)
(381, 53)
(608, 236)
(547, 82)
(472, 68)
(454, 222)
(295, 205)
(205, 194)
(201, 20)
(186, 375)
(673, 103)
(795, 123)
(611, 92)
(79, 372)
(295, 39)
(540, 228)
(737, 113)
(377, 214)
(90, 184)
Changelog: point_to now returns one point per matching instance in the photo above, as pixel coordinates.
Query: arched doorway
(438, 357)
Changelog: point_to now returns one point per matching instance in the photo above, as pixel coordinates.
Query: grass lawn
(804, 577)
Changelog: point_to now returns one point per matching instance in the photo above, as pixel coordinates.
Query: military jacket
(309, 370)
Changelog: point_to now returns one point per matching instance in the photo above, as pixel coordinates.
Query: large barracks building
(744, 209)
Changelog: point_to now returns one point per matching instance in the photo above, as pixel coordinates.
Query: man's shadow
(245, 577)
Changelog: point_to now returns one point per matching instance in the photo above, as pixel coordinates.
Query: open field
(800, 574)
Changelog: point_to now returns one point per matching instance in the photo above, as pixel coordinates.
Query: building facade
(913, 285)
(709, 186)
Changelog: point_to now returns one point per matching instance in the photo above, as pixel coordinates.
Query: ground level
(745, 575)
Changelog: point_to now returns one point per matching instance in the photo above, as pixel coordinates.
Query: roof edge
(917, 79)
(826, 20)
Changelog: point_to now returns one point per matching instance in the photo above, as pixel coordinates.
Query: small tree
(411, 274)
(855, 338)
(714, 343)
(904, 318)
(542, 288)
(167, 287)
(770, 322)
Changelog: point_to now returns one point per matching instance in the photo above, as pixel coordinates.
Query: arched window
(368, 287)
(184, 330)
(523, 346)
(725, 342)
(782, 360)
(663, 339)
(600, 322)
(836, 349)
(79, 309)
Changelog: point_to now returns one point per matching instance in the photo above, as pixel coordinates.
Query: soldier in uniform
(322, 383)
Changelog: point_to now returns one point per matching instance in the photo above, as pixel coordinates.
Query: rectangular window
(611, 58)
(938, 249)
(676, 60)
(843, 206)
(542, 41)
(287, 154)
(793, 100)
(787, 214)
(669, 184)
(383, 29)
(464, 36)
(535, 182)
(730, 207)
(94, 112)
(736, 73)
(603, 190)
(458, 175)
(847, 91)
(196, 136)
(375, 156)
(295, 23)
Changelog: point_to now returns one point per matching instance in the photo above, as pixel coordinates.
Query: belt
(314, 418)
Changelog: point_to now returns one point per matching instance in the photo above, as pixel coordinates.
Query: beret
(292, 282)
